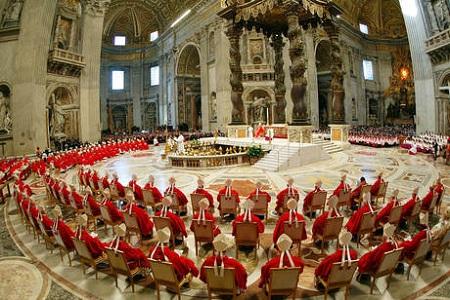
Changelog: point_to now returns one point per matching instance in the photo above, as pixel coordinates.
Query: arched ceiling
(137, 18)
(383, 17)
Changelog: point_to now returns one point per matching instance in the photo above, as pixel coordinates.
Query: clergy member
(355, 220)
(142, 217)
(383, 214)
(319, 223)
(356, 193)
(343, 186)
(290, 218)
(309, 197)
(201, 191)
(177, 224)
(115, 214)
(204, 215)
(136, 188)
(150, 186)
(61, 228)
(376, 185)
(258, 192)
(248, 216)
(173, 191)
(289, 192)
(227, 192)
(94, 245)
(119, 187)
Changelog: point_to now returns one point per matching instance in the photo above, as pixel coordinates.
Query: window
(368, 69)
(154, 35)
(154, 76)
(120, 40)
(118, 79)
(364, 28)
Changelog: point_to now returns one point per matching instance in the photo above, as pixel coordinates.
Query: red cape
(319, 223)
(370, 261)
(143, 219)
(135, 257)
(355, 220)
(94, 245)
(181, 264)
(309, 197)
(279, 228)
(209, 217)
(410, 247)
(180, 196)
(176, 222)
(324, 268)
(253, 219)
(207, 195)
(157, 197)
(240, 274)
(282, 195)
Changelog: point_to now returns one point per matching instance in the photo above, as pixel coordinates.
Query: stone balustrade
(438, 47)
(208, 161)
(65, 62)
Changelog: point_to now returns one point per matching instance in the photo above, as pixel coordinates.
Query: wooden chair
(78, 211)
(382, 192)
(195, 199)
(49, 239)
(286, 199)
(432, 204)
(164, 274)
(62, 248)
(366, 227)
(386, 267)
(203, 233)
(86, 259)
(295, 233)
(340, 276)
(261, 206)
(221, 285)
(228, 205)
(107, 220)
(33, 226)
(414, 214)
(160, 223)
(419, 257)
(149, 200)
(344, 199)
(114, 193)
(246, 235)
(176, 206)
(91, 217)
(283, 282)
(132, 226)
(119, 265)
(439, 247)
(395, 216)
(365, 189)
(439, 202)
(317, 202)
(333, 227)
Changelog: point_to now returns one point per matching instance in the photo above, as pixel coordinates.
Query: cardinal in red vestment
(408, 207)
(172, 191)
(115, 214)
(285, 260)
(291, 218)
(105, 181)
(309, 197)
(90, 200)
(355, 220)
(376, 185)
(260, 131)
(258, 192)
(220, 261)
(134, 256)
(371, 260)
(383, 214)
(118, 185)
(136, 188)
(319, 223)
(201, 191)
(410, 245)
(76, 197)
(182, 265)
(149, 186)
(228, 192)
(177, 224)
(343, 186)
(289, 192)
(142, 217)
(45, 220)
(61, 228)
(248, 216)
(204, 215)
(356, 193)
(94, 245)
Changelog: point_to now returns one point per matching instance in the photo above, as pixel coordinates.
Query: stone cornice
(95, 7)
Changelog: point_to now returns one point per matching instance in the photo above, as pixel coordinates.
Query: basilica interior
(127, 127)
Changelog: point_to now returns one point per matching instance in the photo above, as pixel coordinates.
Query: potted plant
(254, 153)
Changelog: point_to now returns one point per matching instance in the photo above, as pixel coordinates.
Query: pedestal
(237, 131)
(300, 134)
(339, 132)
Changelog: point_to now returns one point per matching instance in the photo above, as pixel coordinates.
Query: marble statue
(11, 14)
(213, 107)
(259, 108)
(57, 118)
(5, 118)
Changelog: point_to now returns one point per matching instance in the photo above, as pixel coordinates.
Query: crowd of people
(427, 143)
(379, 136)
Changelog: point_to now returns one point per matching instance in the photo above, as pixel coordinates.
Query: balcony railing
(65, 62)
(438, 47)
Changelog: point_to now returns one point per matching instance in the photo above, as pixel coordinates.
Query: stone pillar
(204, 82)
(93, 16)
(300, 114)
(280, 87)
(137, 78)
(234, 33)
(313, 90)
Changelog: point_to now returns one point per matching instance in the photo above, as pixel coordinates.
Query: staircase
(327, 145)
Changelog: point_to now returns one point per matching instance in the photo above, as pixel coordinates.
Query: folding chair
(246, 235)
(221, 285)
(295, 232)
(386, 267)
(333, 227)
(203, 233)
(283, 282)
(164, 274)
(340, 276)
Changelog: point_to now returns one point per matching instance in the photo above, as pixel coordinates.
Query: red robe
(287, 192)
(324, 268)
(341, 187)
(78, 199)
(157, 197)
(119, 187)
(143, 219)
(261, 194)
(223, 192)
(137, 190)
(207, 195)
(48, 224)
(426, 201)
(410, 247)
(95, 180)
(274, 264)
(94, 245)
(355, 220)
(181, 264)
(95, 208)
(209, 217)
(319, 223)
(408, 206)
(309, 197)
(176, 222)
(376, 186)
(279, 228)
(114, 212)
(383, 214)
(182, 200)
(240, 274)
(135, 257)
(66, 234)
(105, 182)
(259, 131)
(370, 261)
(439, 189)
(356, 193)
(253, 219)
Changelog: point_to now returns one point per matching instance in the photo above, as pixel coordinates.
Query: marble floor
(22, 258)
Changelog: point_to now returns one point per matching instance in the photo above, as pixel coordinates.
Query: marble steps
(280, 158)
(327, 146)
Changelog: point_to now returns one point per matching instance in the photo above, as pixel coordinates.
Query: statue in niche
(354, 109)
(213, 107)
(57, 118)
(260, 106)
(11, 14)
(5, 117)
(442, 14)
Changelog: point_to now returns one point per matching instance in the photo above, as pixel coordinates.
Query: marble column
(92, 24)
(300, 114)
(280, 88)
(204, 82)
(313, 89)
(234, 33)
(137, 78)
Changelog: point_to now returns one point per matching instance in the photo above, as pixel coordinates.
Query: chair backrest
(342, 275)
(260, 203)
(319, 199)
(117, 261)
(367, 222)
(221, 284)
(445, 240)
(59, 240)
(365, 189)
(163, 272)
(344, 198)
(105, 213)
(82, 249)
(416, 209)
(228, 203)
(195, 199)
(42, 227)
(333, 227)
(148, 197)
(88, 209)
(283, 279)
(294, 232)
(433, 202)
(422, 250)
(114, 191)
(203, 230)
(247, 232)
(128, 190)
(383, 189)
(395, 215)
(389, 261)
(161, 222)
(130, 221)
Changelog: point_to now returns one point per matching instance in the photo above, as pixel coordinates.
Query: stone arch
(253, 114)
(444, 80)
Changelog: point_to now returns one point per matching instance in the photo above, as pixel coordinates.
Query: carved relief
(11, 14)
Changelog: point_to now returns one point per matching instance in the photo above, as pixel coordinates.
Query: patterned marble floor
(401, 170)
